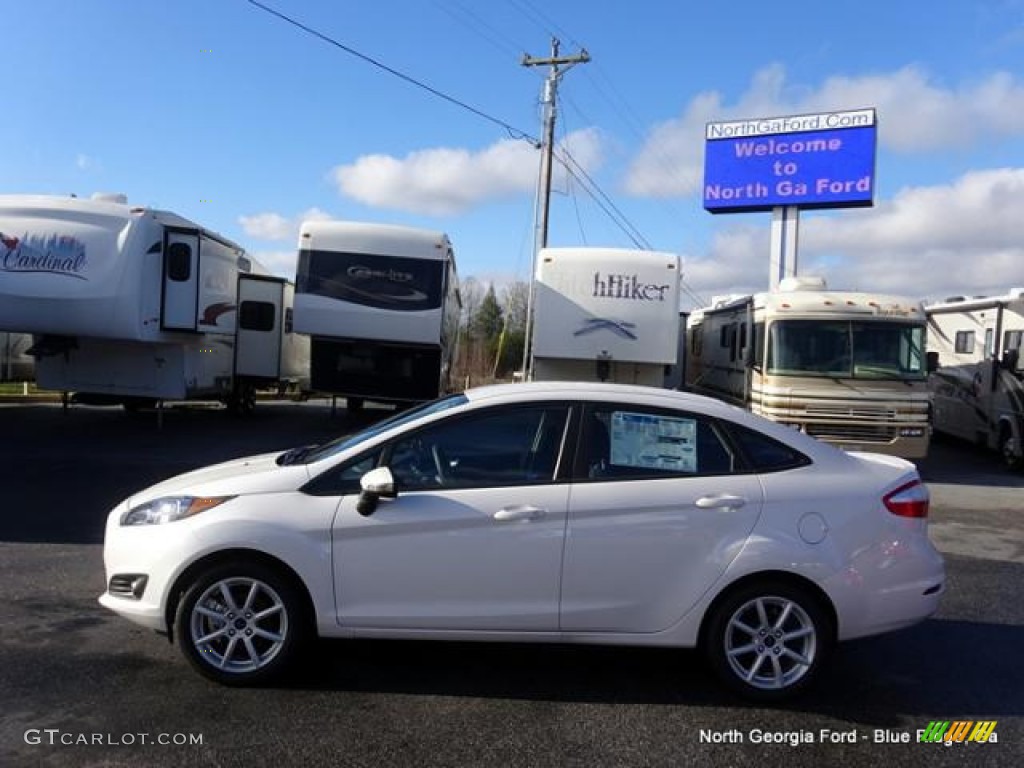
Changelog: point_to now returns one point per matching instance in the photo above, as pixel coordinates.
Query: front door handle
(524, 512)
(720, 501)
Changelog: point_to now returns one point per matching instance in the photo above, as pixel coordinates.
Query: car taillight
(910, 500)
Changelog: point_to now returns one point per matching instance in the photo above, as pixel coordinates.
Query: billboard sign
(825, 160)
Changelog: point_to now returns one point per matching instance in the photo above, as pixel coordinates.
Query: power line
(471, 19)
(512, 131)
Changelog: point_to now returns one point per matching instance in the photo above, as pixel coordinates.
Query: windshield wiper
(295, 455)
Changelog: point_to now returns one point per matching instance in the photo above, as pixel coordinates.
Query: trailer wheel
(1009, 449)
(242, 400)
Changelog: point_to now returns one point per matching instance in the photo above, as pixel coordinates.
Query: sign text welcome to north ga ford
(812, 161)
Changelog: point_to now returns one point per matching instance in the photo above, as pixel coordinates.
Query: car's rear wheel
(241, 624)
(768, 641)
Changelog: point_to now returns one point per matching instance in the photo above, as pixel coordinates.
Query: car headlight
(170, 508)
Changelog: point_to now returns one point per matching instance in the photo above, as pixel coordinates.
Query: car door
(473, 540)
(660, 507)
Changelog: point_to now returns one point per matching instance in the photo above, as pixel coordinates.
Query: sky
(422, 112)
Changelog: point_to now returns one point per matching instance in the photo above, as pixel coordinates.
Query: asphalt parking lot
(79, 686)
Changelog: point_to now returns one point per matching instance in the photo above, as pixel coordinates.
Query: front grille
(851, 412)
(131, 585)
(864, 433)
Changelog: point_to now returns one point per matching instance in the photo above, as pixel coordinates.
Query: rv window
(288, 322)
(990, 342)
(1012, 339)
(964, 343)
(759, 344)
(179, 262)
(256, 316)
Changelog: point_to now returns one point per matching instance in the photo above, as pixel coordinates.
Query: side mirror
(931, 362)
(376, 484)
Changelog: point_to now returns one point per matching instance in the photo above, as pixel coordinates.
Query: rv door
(259, 334)
(180, 302)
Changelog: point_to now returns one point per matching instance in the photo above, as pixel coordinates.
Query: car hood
(250, 474)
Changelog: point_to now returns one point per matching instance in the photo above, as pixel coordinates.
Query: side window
(343, 479)
(630, 442)
(256, 316)
(179, 262)
(964, 342)
(503, 446)
(1012, 339)
(765, 454)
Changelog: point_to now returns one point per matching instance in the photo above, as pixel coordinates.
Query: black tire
(1008, 449)
(242, 624)
(768, 641)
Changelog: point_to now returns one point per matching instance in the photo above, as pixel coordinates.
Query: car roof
(593, 390)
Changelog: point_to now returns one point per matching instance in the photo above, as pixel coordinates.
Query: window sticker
(653, 442)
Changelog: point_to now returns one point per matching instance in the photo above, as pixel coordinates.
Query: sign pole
(785, 231)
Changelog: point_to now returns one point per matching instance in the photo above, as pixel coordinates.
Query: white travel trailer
(16, 364)
(382, 305)
(133, 305)
(606, 314)
(976, 372)
(845, 367)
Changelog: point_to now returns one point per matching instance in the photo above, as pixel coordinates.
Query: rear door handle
(720, 501)
(524, 512)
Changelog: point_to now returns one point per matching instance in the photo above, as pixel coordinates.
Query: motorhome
(381, 303)
(132, 305)
(845, 367)
(976, 371)
(606, 314)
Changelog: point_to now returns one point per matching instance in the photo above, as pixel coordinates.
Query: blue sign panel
(749, 166)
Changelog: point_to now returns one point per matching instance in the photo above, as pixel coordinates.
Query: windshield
(316, 453)
(859, 349)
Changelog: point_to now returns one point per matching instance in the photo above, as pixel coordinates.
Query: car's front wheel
(768, 641)
(241, 624)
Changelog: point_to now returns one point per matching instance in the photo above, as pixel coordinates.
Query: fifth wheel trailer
(132, 305)
(381, 303)
(976, 371)
(606, 314)
(845, 367)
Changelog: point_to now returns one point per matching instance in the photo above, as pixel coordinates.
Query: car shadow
(878, 682)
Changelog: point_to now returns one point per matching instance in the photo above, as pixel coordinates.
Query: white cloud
(445, 181)
(274, 226)
(84, 162)
(280, 263)
(914, 115)
(927, 242)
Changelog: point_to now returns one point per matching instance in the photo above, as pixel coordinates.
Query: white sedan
(541, 512)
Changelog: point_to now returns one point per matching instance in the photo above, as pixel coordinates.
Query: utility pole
(558, 66)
